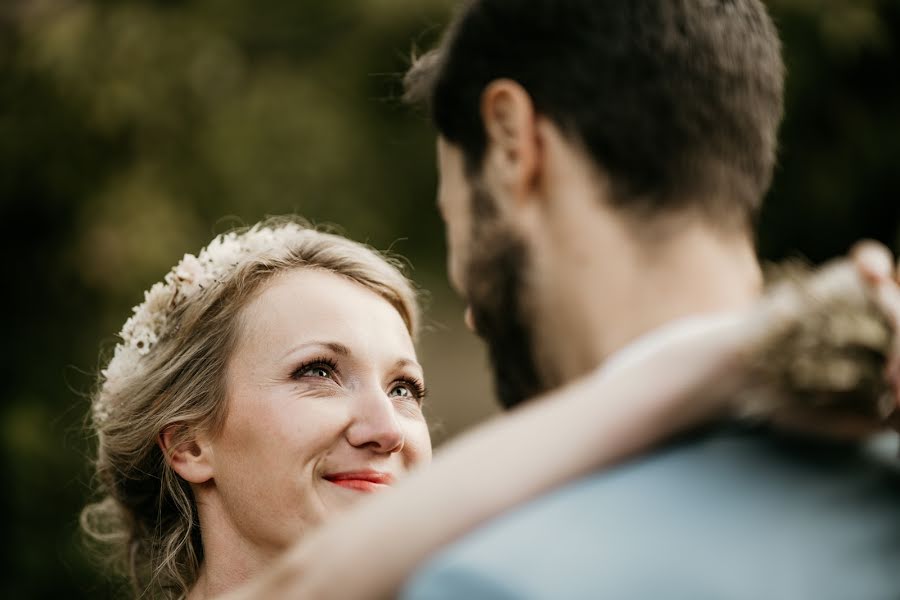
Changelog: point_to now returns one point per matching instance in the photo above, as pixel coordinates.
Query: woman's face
(324, 407)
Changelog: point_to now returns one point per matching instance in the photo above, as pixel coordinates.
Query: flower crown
(192, 274)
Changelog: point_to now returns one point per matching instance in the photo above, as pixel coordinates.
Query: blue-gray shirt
(725, 514)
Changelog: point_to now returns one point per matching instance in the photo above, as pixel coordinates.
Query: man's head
(660, 111)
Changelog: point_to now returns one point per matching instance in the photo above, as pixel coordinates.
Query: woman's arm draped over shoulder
(659, 386)
(597, 421)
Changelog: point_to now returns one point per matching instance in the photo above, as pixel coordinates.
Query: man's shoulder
(702, 518)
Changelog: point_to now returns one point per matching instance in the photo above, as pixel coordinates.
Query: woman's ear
(189, 455)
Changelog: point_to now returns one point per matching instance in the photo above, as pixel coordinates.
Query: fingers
(875, 264)
(873, 261)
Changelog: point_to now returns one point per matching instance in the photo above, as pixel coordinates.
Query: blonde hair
(146, 518)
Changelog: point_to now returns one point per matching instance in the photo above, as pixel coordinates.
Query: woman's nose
(375, 425)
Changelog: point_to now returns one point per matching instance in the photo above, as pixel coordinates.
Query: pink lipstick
(361, 481)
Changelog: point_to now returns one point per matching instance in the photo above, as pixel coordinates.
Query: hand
(827, 360)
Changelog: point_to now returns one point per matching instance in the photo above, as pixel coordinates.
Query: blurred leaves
(221, 108)
(846, 26)
(837, 179)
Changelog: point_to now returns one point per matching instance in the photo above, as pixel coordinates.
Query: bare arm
(368, 552)
(662, 386)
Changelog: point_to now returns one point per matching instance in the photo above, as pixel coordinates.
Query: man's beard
(496, 290)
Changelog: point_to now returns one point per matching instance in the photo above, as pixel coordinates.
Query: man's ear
(188, 454)
(513, 154)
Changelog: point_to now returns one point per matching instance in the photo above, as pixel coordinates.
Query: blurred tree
(838, 179)
(131, 131)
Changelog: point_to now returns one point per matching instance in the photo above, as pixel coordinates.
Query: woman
(271, 382)
(263, 386)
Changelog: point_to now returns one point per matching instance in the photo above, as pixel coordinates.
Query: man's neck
(615, 297)
(696, 273)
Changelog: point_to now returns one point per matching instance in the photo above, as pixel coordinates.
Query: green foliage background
(131, 131)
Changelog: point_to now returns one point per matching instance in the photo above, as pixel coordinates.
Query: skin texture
(322, 381)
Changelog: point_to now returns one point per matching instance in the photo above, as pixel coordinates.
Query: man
(602, 165)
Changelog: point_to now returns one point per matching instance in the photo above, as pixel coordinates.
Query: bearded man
(602, 165)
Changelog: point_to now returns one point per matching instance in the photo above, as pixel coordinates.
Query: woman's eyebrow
(406, 362)
(336, 347)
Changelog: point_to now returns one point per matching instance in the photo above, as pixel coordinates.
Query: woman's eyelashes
(319, 368)
(322, 368)
(408, 387)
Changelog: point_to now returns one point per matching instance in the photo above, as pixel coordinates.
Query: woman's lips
(361, 481)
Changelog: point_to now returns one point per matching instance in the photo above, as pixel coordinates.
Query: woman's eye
(412, 390)
(318, 369)
(401, 391)
(316, 372)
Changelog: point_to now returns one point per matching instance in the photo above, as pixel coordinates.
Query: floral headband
(192, 274)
